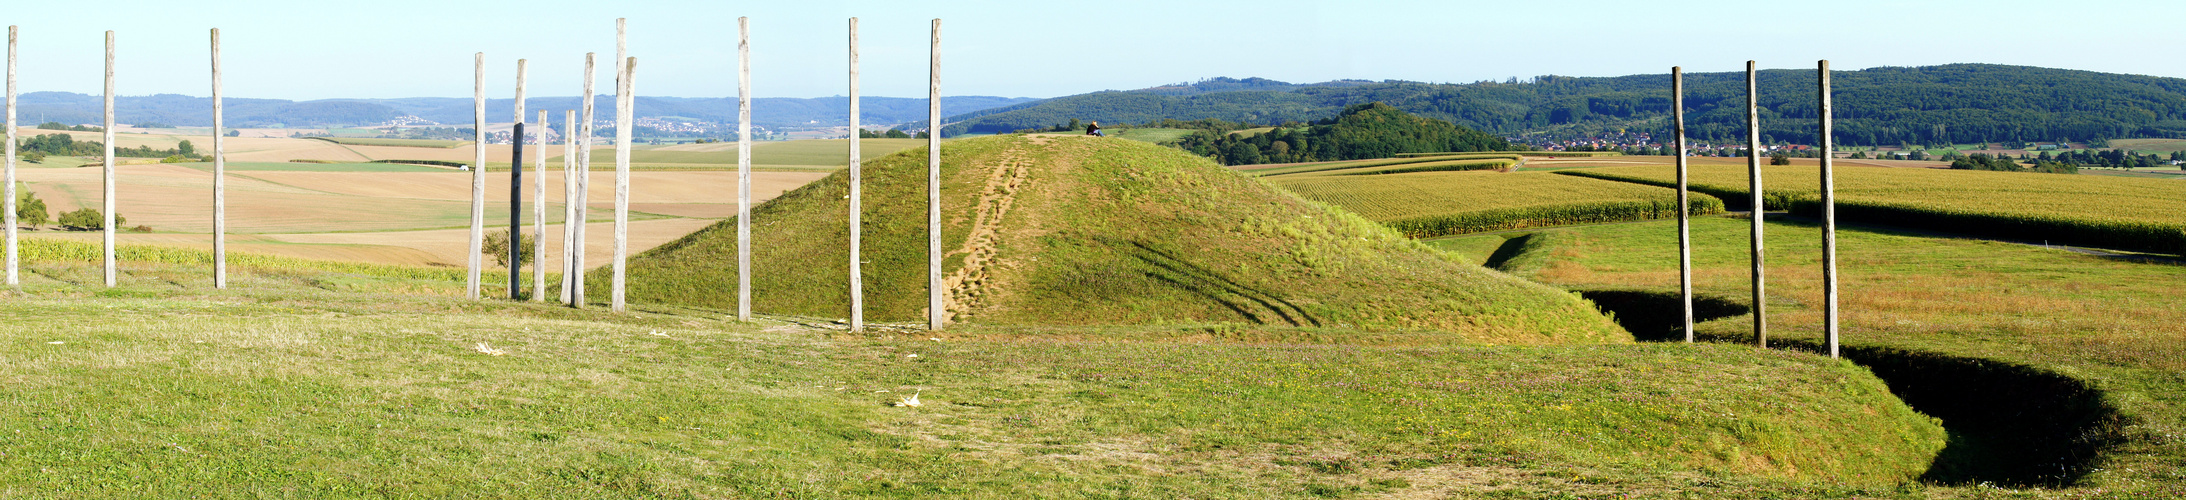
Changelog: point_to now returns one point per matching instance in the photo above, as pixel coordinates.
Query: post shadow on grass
(2009, 424)
(1167, 267)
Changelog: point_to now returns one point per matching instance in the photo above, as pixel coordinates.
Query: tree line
(1371, 130)
(36, 149)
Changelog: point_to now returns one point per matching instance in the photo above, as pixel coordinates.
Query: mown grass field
(2103, 211)
(1153, 135)
(314, 167)
(318, 379)
(1428, 204)
(1997, 337)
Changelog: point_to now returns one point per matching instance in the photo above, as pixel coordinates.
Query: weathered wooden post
(478, 178)
(1684, 211)
(584, 185)
(936, 312)
(623, 101)
(220, 178)
(516, 192)
(626, 98)
(569, 206)
(1829, 216)
(743, 169)
(13, 277)
(857, 180)
(1753, 164)
(538, 218)
(108, 178)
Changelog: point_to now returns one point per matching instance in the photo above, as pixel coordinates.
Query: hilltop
(1957, 103)
(1083, 231)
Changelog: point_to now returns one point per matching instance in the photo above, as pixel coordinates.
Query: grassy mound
(1083, 231)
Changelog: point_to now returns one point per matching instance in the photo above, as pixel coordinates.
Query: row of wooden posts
(576, 165)
(1753, 160)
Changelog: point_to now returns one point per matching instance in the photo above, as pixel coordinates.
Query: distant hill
(1958, 103)
(187, 111)
(1073, 231)
(1371, 130)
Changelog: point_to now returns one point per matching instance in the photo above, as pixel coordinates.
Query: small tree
(88, 219)
(1779, 159)
(186, 149)
(497, 246)
(28, 208)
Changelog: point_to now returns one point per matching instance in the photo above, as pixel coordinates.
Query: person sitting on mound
(1094, 129)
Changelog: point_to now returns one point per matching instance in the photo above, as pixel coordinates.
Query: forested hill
(1957, 103)
(1371, 130)
(180, 110)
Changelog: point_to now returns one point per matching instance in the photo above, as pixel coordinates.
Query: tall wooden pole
(624, 115)
(108, 178)
(584, 185)
(14, 277)
(1684, 212)
(857, 195)
(569, 207)
(1829, 215)
(220, 177)
(623, 64)
(538, 216)
(1753, 167)
(936, 313)
(743, 169)
(478, 178)
(516, 192)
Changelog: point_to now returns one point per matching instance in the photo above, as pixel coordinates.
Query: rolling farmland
(1427, 204)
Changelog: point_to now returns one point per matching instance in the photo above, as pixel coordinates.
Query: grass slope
(332, 380)
(1429, 204)
(1100, 232)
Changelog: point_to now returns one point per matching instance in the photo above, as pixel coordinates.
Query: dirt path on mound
(965, 286)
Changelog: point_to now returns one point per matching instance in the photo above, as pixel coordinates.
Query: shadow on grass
(2010, 424)
(1170, 267)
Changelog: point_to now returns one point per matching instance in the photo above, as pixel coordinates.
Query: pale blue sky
(313, 50)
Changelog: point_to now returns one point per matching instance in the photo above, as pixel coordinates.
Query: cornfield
(2122, 213)
(1428, 204)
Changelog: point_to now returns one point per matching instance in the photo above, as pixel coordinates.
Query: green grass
(1349, 166)
(2102, 211)
(2150, 146)
(407, 143)
(320, 379)
(1429, 204)
(1104, 232)
(314, 167)
(2080, 319)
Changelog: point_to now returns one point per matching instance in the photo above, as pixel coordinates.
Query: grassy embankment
(2052, 369)
(1072, 231)
(316, 379)
(2100, 211)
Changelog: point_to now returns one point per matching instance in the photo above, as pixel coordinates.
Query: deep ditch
(2010, 424)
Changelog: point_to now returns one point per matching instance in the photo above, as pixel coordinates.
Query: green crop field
(2150, 146)
(408, 143)
(2104, 211)
(1431, 204)
(1370, 166)
(1153, 135)
(2051, 368)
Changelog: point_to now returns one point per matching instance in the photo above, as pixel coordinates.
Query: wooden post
(1829, 217)
(14, 277)
(538, 217)
(569, 207)
(857, 209)
(220, 178)
(108, 178)
(624, 115)
(584, 186)
(516, 192)
(622, 165)
(1753, 164)
(1684, 212)
(743, 169)
(936, 312)
(478, 178)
